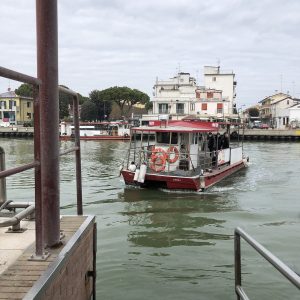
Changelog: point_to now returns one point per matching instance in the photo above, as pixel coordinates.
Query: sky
(104, 43)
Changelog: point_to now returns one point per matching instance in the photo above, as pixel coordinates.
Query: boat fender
(136, 175)
(132, 167)
(172, 150)
(142, 173)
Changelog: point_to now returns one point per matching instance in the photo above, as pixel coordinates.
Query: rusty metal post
(39, 237)
(47, 72)
(77, 155)
(237, 263)
(2, 180)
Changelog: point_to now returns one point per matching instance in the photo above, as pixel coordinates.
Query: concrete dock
(68, 272)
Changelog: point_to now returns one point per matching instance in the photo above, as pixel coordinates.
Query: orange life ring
(156, 152)
(158, 163)
(171, 150)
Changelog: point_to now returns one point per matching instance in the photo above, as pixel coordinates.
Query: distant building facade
(275, 110)
(180, 96)
(15, 109)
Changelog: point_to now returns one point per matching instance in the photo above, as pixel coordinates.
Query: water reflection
(160, 219)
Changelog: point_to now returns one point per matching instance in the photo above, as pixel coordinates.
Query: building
(215, 78)
(275, 111)
(180, 96)
(294, 115)
(15, 109)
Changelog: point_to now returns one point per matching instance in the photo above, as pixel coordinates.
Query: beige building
(15, 109)
(275, 111)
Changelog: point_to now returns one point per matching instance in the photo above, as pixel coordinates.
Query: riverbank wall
(268, 135)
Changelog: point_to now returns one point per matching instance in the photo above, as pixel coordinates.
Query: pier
(16, 131)
(268, 134)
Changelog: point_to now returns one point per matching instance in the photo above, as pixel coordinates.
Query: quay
(267, 134)
(16, 131)
(67, 272)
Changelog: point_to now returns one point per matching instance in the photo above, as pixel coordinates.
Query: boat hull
(195, 183)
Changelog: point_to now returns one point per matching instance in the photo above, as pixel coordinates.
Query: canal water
(172, 245)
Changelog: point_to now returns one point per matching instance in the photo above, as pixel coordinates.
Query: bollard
(2, 180)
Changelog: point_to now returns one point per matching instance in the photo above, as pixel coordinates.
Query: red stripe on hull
(187, 183)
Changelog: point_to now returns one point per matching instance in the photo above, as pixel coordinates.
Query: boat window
(164, 138)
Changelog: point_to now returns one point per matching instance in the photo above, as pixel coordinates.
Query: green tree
(25, 90)
(64, 101)
(88, 111)
(124, 97)
(253, 112)
(103, 104)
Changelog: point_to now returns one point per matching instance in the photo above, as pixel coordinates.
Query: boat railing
(144, 155)
(288, 273)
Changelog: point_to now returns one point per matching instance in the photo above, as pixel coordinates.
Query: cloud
(107, 43)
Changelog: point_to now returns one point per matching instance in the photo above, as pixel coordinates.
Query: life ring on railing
(156, 152)
(126, 135)
(170, 151)
(158, 163)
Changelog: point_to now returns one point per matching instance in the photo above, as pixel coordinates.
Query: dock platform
(68, 272)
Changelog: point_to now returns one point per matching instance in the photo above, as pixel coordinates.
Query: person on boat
(219, 141)
(211, 143)
(225, 144)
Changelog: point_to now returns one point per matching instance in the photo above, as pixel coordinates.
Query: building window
(3, 104)
(219, 108)
(28, 115)
(192, 106)
(204, 106)
(197, 94)
(28, 104)
(288, 102)
(210, 95)
(214, 79)
(180, 108)
(163, 108)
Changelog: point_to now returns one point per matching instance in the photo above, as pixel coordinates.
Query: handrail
(13, 75)
(19, 169)
(288, 273)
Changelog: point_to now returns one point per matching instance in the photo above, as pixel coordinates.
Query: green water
(167, 245)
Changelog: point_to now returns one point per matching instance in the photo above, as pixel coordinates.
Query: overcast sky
(104, 43)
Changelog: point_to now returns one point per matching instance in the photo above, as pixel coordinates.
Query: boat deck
(18, 274)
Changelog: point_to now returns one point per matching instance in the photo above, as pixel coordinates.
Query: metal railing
(272, 259)
(46, 133)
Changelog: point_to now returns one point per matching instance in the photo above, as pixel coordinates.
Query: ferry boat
(118, 130)
(185, 155)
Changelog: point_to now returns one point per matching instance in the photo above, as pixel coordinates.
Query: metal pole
(39, 236)
(2, 180)
(47, 72)
(237, 262)
(77, 155)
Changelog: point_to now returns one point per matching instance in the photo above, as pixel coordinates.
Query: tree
(103, 104)
(253, 112)
(124, 97)
(88, 111)
(25, 90)
(64, 101)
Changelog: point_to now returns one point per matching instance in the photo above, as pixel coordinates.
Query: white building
(180, 96)
(275, 110)
(214, 78)
(295, 115)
